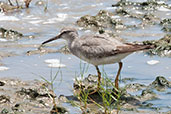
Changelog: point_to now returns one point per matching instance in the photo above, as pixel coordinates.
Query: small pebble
(54, 63)
(152, 62)
(51, 61)
(2, 68)
(57, 65)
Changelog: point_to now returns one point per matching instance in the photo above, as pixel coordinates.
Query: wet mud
(142, 11)
(18, 96)
(129, 101)
(108, 22)
(23, 97)
(162, 46)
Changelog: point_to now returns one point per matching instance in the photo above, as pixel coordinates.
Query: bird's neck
(72, 38)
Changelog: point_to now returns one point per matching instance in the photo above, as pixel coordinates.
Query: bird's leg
(117, 76)
(99, 77)
(98, 83)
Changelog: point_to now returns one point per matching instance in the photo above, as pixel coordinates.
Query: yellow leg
(98, 83)
(117, 76)
(99, 77)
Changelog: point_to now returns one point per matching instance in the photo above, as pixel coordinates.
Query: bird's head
(67, 33)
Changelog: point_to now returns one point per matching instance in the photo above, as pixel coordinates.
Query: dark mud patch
(41, 51)
(5, 7)
(44, 50)
(160, 84)
(10, 34)
(166, 23)
(147, 5)
(128, 101)
(133, 87)
(162, 46)
(106, 22)
(144, 12)
(9, 6)
(17, 96)
(125, 80)
(102, 20)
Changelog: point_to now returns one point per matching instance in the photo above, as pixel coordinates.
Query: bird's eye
(67, 31)
(64, 32)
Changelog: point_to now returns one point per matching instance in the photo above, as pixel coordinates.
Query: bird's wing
(98, 46)
(102, 39)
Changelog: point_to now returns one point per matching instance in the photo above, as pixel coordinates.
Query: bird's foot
(40, 47)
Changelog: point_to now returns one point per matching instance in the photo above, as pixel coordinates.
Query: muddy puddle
(23, 30)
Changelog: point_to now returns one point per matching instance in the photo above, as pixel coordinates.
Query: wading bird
(98, 49)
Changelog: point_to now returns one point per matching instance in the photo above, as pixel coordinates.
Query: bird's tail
(141, 47)
(135, 47)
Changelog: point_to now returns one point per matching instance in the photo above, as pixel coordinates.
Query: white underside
(106, 60)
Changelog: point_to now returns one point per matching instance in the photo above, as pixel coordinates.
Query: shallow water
(61, 13)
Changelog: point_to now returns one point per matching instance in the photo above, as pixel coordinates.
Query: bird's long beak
(54, 38)
(47, 41)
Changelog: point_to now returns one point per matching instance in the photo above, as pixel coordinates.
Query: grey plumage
(99, 46)
(98, 49)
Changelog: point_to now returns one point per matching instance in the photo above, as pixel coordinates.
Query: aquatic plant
(110, 94)
(107, 98)
(82, 94)
(27, 3)
(51, 82)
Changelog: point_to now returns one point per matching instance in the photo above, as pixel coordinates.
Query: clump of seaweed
(102, 20)
(10, 34)
(166, 23)
(149, 5)
(162, 46)
(11, 5)
(27, 3)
